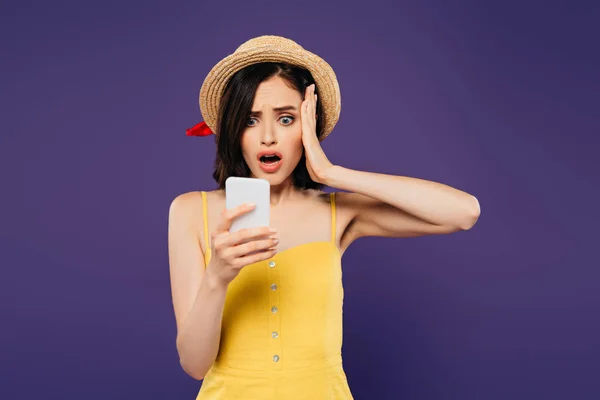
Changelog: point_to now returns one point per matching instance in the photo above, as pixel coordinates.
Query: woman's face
(271, 130)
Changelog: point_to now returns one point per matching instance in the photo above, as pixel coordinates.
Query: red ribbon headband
(200, 129)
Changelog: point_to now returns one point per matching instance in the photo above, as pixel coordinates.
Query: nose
(268, 135)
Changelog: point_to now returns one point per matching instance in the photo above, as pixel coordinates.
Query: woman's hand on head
(231, 251)
(317, 163)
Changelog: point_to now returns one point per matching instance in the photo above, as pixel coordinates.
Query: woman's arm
(198, 301)
(399, 206)
(385, 205)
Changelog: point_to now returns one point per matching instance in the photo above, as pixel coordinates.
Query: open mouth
(270, 159)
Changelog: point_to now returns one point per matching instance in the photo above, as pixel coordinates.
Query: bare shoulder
(351, 200)
(345, 211)
(185, 204)
(186, 209)
(347, 203)
(351, 204)
(193, 200)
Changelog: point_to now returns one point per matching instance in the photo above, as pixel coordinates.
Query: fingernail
(272, 230)
(250, 205)
(275, 240)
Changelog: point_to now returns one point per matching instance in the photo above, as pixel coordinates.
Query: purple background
(498, 100)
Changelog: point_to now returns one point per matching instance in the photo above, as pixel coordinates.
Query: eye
(288, 117)
(285, 117)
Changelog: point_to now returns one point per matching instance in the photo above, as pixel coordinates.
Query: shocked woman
(259, 311)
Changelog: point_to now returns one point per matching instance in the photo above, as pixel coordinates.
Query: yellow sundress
(281, 335)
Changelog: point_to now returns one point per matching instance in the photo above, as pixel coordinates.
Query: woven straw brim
(327, 85)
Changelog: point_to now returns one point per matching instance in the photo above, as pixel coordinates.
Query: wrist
(213, 282)
(330, 178)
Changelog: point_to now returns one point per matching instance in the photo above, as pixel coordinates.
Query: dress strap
(205, 218)
(332, 201)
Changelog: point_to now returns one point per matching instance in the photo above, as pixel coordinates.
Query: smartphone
(248, 190)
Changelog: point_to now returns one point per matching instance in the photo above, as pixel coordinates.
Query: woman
(268, 324)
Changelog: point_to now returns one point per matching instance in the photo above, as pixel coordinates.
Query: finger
(256, 257)
(312, 105)
(217, 239)
(248, 234)
(307, 101)
(228, 215)
(253, 247)
(305, 116)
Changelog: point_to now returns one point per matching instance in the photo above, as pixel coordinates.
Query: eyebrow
(284, 108)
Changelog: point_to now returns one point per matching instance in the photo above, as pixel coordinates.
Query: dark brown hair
(234, 111)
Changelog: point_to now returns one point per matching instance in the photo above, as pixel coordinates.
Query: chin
(274, 179)
(277, 180)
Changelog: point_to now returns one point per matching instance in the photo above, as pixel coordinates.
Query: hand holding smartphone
(243, 235)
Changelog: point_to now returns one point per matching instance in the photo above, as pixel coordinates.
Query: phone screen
(249, 190)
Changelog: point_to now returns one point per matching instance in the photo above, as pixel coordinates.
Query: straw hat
(268, 48)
